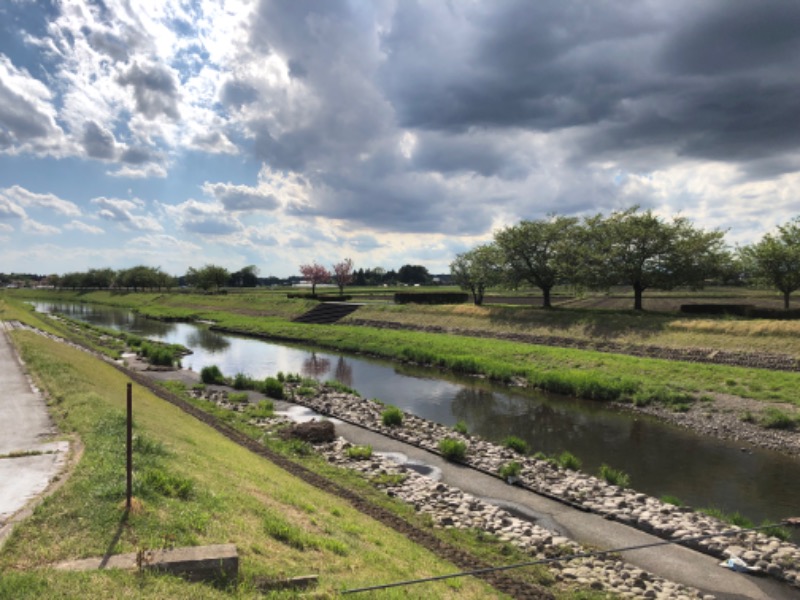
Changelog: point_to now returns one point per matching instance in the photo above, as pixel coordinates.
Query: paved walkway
(28, 461)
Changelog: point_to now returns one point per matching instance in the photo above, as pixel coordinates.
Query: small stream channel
(660, 458)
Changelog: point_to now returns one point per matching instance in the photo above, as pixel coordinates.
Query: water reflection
(207, 340)
(315, 366)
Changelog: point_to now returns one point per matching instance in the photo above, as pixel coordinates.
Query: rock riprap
(450, 507)
(777, 558)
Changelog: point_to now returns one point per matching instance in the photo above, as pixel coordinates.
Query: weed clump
(516, 444)
(392, 417)
(359, 452)
(569, 461)
(452, 449)
(510, 470)
(615, 476)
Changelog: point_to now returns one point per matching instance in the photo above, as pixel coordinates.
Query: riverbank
(780, 560)
(452, 508)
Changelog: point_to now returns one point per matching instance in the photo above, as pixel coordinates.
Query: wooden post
(129, 449)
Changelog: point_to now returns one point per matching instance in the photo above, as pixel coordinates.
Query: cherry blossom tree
(315, 274)
(343, 274)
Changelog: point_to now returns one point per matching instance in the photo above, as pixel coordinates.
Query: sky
(178, 133)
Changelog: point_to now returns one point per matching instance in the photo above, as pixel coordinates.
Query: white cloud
(122, 212)
(241, 197)
(10, 210)
(48, 201)
(27, 115)
(83, 227)
(205, 218)
(36, 228)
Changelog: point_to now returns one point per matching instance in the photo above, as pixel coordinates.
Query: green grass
(195, 487)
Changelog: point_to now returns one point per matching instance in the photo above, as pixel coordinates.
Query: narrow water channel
(660, 459)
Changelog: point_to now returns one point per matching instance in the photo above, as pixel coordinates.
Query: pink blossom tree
(315, 274)
(343, 274)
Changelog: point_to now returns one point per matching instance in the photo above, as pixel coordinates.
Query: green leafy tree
(413, 274)
(246, 277)
(478, 269)
(541, 253)
(208, 277)
(776, 259)
(642, 250)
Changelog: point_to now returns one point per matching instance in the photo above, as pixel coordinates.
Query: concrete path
(28, 461)
(672, 562)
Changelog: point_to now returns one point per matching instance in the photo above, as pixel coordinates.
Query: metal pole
(129, 448)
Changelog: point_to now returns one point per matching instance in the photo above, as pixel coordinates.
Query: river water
(660, 458)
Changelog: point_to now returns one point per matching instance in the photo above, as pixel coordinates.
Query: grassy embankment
(580, 373)
(193, 487)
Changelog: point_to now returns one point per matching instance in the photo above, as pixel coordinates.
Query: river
(660, 458)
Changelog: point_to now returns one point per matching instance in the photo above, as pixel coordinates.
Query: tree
(207, 277)
(315, 274)
(343, 274)
(643, 251)
(478, 269)
(413, 274)
(541, 252)
(776, 259)
(246, 277)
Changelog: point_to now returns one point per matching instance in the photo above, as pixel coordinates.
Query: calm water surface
(660, 459)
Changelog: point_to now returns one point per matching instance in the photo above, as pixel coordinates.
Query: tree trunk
(637, 297)
(786, 300)
(546, 298)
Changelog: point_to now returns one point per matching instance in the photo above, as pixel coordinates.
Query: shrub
(569, 461)
(242, 382)
(338, 386)
(273, 388)
(508, 470)
(392, 417)
(460, 427)
(359, 452)
(516, 444)
(212, 374)
(431, 297)
(452, 449)
(615, 476)
(305, 390)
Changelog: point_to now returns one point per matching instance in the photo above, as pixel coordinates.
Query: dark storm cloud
(98, 142)
(484, 155)
(154, 89)
(714, 80)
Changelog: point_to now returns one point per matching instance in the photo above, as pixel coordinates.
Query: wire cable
(792, 522)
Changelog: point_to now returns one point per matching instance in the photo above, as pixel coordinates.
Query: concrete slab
(28, 462)
(197, 563)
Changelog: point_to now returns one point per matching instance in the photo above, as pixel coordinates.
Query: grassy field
(193, 487)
